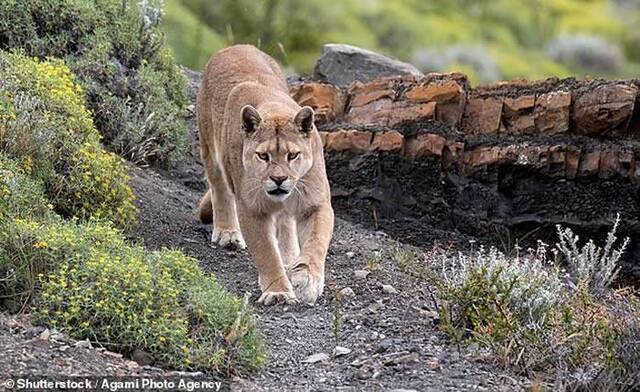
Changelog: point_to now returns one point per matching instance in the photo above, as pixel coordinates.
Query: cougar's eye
(292, 155)
(263, 155)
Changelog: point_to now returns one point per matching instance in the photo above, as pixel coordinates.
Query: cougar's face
(277, 152)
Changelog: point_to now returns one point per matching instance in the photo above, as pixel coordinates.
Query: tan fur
(265, 167)
(205, 209)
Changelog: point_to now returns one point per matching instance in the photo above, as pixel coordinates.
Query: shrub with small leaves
(96, 286)
(592, 265)
(20, 195)
(493, 296)
(84, 278)
(110, 45)
(92, 187)
(45, 126)
(535, 318)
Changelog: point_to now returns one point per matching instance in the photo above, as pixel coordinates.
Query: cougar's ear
(250, 118)
(304, 119)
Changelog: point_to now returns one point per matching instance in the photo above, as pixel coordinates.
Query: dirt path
(392, 337)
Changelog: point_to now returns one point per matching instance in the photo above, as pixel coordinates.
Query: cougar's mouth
(278, 191)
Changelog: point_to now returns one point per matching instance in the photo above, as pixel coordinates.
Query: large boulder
(342, 64)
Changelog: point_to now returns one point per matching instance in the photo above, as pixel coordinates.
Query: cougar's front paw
(307, 283)
(276, 291)
(277, 297)
(228, 238)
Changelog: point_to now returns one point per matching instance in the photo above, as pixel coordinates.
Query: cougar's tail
(205, 209)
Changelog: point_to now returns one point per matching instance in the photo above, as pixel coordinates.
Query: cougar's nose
(278, 179)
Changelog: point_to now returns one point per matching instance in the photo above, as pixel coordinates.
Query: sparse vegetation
(592, 265)
(372, 261)
(336, 304)
(538, 318)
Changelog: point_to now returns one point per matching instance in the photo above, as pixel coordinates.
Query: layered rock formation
(509, 159)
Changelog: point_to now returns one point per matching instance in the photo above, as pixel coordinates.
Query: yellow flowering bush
(45, 125)
(95, 186)
(109, 45)
(94, 285)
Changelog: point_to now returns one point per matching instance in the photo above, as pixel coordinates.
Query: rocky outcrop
(502, 160)
(423, 157)
(343, 64)
(592, 108)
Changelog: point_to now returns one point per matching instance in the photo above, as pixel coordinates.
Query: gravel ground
(386, 329)
(36, 350)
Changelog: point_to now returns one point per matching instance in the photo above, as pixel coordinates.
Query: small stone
(388, 289)
(339, 350)
(351, 255)
(58, 336)
(361, 274)
(12, 323)
(112, 354)
(63, 348)
(142, 357)
(430, 314)
(83, 344)
(347, 292)
(383, 346)
(45, 335)
(375, 307)
(364, 374)
(131, 365)
(402, 359)
(319, 357)
(433, 363)
(473, 348)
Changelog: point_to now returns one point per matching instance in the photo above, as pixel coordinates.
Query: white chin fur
(279, 198)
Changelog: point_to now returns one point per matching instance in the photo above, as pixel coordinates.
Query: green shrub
(20, 196)
(45, 126)
(112, 46)
(95, 186)
(96, 286)
(43, 113)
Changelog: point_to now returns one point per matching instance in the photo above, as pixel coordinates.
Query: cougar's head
(277, 150)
